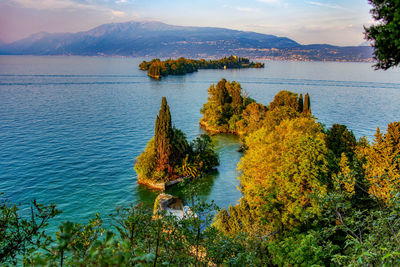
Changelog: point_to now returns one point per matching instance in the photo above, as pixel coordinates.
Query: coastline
(213, 131)
(161, 185)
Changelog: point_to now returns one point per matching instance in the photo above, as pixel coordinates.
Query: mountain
(156, 39)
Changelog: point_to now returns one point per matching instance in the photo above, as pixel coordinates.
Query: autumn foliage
(382, 167)
(283, 172)
(230, 110)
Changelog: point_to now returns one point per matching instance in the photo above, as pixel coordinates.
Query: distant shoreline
(369, 60)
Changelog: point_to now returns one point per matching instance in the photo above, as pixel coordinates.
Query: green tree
(203, 154)
(285, 98)
(300, 109)
(340, 140)
(21, 235)
(385, 36)
(163, 138)
(307, 104)
(145, 163)
(221, 93)
(180, 147)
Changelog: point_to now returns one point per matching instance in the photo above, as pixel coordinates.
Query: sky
(307, 22)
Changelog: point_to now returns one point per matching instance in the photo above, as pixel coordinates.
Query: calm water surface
(71, 127)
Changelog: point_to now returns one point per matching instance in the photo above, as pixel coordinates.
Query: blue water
(71, 127)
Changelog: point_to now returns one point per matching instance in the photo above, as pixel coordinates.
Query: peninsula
(169, 157)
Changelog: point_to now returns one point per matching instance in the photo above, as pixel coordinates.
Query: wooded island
(169, 156)
(157, 68)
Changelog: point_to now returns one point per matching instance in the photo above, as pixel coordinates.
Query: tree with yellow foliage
(345, 180)
(283, 172)
(382, 167)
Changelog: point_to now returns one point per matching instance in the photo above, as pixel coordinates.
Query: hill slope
(156, 39)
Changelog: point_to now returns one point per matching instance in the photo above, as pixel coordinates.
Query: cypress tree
(163, 137)
(307, 104)
(300, 103)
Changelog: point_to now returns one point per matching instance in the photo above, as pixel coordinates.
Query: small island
(157, 68)
(230, 110)
(169, 158)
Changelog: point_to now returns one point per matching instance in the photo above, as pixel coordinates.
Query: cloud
(121, 1)
(271, 2)
(70, 4)
(246, 9)
(50, 4)
(119, 14)
(324, 5)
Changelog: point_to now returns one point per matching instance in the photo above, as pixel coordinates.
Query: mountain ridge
(157, 39)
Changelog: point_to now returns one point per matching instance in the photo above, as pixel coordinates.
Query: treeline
(157, 68)
(168, 155)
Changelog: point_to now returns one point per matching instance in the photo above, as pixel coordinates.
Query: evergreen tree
(285, 98)
(300, 103)
(307, 104)
(221, 93)
(163, 137)
(340, 140)
(235, 91)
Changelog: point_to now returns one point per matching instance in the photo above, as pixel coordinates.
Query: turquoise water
(71, 127)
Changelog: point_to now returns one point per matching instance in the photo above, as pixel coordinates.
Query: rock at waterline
(172, 206)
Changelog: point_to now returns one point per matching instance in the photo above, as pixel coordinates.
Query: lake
(71, 127)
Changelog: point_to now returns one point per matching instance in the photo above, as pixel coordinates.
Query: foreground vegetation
(157, 68)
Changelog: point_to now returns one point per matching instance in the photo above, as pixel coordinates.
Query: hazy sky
(312, 21)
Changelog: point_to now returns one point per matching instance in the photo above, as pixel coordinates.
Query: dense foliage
(315, 196)
(382, 163)
(136, 237)
(157, 68)
(230, 110)
(283, 172)
(385, 36)
(168, 154)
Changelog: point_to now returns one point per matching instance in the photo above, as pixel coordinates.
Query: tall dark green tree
(340, 140)
(163, 138)
(307, 104)
(221, 93)
(385, 36)
(300, 103)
